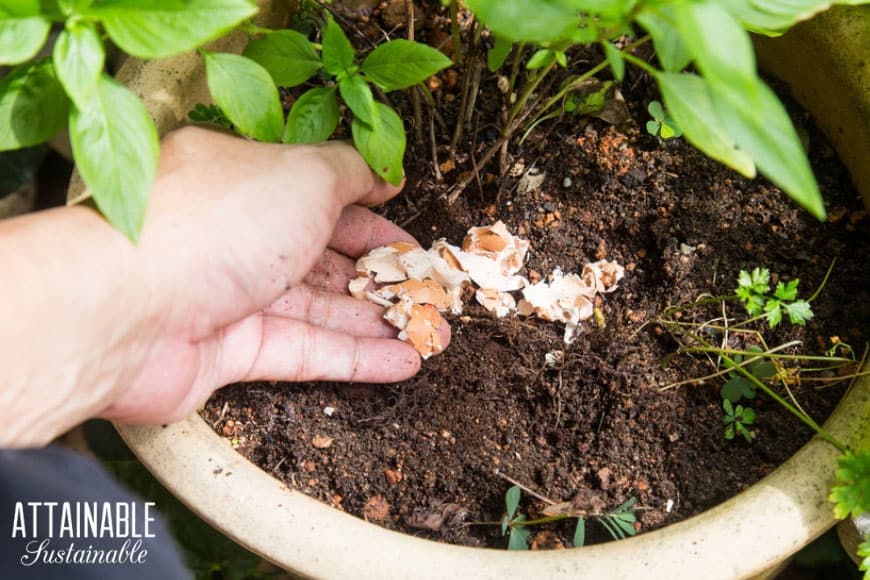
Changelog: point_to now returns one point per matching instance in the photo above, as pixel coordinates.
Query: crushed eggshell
(499, 303)
(416, 285)
(419, 325)
(569, 298)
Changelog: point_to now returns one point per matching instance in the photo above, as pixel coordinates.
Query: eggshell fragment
(496, 243)
(383, 263)
(418, 291)
(565, 299)
(415, 285)
(499, 303)
(420, 324)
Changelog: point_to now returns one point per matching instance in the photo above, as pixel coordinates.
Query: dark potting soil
(432, 454)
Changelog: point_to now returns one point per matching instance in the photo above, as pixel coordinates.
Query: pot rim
(745, 535)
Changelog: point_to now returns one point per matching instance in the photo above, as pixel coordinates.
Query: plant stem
(454, 31)
(824, 281)
(770, 393)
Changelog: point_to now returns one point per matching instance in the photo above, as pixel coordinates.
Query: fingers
(332, 311)
(359, 230)
(292, 350)
(332, 272)
(356, 182)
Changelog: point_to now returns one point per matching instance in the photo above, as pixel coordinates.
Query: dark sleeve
(94, 529)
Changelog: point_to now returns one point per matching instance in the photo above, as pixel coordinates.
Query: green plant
(737, 387)
(751, 367)
(619, 522)
(736, 419)
(725, 110)
(661, 123)
(753, 290)
(377, 129)
(114, 140)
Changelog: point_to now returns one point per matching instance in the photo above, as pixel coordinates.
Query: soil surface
(433, 455)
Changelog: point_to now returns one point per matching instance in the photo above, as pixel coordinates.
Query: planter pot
(750, 534)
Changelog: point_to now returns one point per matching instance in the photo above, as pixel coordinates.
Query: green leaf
(313, 118)
(519, 537)
(615, 531)
(744, 431)
(655, 109)
(33, 106)
(246, 94)
(21, 37)
(287, 55)
(356, 93)
(748, 416)
(760, 125)
(69, 7)
(540, 59)
(760, 280)
(773, 17)
(78, 58)
(399, 64)
(161, 28)
(718, 44)
(530, 20)
(497, 55)
(773, 311)
(115, 145)
(671, 50)
(787, 292)
(580, 533)
(852, 494)
(729, 431)
(736, 388)
(512, 501)
(382, 145)
(864, 554)
(687, 99)
(799, 312)
(337, 51)
(652, 127)
(615, 60)
(624, 525)
(729, 409)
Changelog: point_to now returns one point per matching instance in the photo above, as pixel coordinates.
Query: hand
(240, 275)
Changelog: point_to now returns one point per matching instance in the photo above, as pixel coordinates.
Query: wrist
(67, 306)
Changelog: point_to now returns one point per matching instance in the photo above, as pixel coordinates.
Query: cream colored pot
(748, 535)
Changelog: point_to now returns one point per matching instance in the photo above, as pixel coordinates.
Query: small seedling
(661, 123)
(736, 419)
(738, 386)
(519, 534)
(619, 523)
(753, 290)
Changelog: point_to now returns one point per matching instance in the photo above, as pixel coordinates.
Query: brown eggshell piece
(423, 330)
